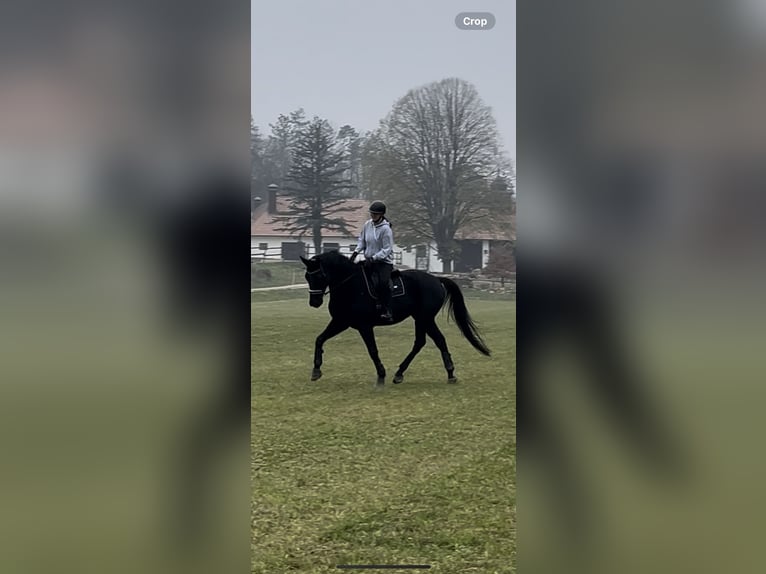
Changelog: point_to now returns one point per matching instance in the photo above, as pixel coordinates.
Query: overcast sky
(350, 60)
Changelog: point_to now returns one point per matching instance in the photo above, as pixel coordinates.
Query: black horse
(352, 304)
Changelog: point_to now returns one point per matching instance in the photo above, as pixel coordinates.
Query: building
(268, 242)
(475, 248)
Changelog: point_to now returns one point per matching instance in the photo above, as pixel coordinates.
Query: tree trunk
(317, 236)
(446, 265)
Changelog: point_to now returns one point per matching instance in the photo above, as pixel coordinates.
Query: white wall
(434, 263)
(274, 247)
(346, 247)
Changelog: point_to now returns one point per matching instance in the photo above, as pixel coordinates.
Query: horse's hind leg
(420, 342)
(368, 335)
(438, 338)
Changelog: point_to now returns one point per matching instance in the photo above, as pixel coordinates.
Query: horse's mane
(334, 259)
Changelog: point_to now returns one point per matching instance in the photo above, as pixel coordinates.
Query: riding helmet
(378, 207)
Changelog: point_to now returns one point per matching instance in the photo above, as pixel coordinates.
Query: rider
(376, 241)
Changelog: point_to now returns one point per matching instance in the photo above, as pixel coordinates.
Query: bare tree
(317, 184)
(434, 158)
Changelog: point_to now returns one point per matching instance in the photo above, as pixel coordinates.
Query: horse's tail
(459, 313)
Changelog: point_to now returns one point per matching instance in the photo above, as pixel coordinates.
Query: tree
(257, 148)
(436, 154)
(505, 180)
(317, 183)
(502, 260)
(284, 133)
(353, 143)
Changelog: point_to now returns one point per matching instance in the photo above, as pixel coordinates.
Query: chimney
(272, 206)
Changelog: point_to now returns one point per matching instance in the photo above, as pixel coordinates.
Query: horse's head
(317, 281)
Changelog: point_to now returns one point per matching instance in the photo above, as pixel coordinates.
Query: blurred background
(640, 315)
(125, 370)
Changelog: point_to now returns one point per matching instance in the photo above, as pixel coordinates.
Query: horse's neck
(344, 270)
(348, 275)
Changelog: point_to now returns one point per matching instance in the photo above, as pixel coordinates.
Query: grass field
(419, 473)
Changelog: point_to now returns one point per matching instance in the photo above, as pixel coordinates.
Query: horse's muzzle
(316, 301)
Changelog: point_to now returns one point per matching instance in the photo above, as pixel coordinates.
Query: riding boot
(383, 275)
(385, 301)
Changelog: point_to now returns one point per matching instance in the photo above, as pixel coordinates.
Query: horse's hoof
(398, 378)
(379, 384)
(452, 380)
(316, 374)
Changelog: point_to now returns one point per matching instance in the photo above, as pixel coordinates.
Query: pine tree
(317, 183)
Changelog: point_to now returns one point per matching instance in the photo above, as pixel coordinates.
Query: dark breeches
(383, 271)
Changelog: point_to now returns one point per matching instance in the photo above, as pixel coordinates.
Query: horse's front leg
(372, 348)
(334, 328)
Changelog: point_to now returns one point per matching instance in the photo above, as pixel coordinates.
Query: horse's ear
(305, 261)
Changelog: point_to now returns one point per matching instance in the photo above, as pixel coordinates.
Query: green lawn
(471, 295)
(422, 472)
(280, 295)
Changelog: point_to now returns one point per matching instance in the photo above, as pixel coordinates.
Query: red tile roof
(263, 224)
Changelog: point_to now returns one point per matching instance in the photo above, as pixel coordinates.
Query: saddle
(396, 285)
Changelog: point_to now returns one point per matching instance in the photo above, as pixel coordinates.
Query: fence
(484, 283)
(268, 254)
(471, 281)
(277, 253)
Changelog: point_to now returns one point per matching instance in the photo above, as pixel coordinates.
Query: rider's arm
(361, 244)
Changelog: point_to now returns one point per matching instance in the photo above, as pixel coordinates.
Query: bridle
(324, 291)
(319, 291)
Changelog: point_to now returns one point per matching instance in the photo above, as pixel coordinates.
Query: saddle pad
(397, 290)
(397, 285)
